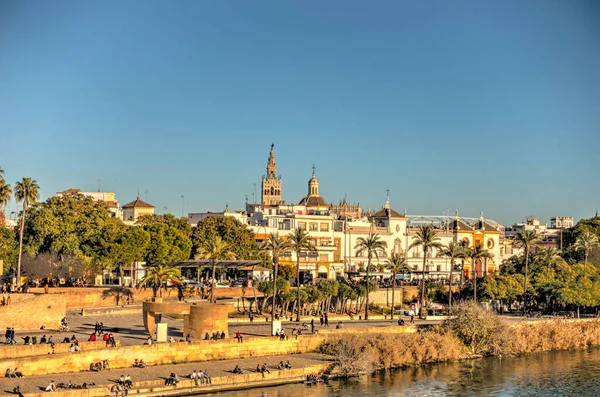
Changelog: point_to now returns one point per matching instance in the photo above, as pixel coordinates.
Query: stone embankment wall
(32, 311)
(79, 298)
(161, 354)
(13, 351)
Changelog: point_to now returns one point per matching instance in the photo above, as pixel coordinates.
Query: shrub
(482, 332)
(365, 353)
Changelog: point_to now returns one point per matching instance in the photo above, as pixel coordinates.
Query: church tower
(271, 183)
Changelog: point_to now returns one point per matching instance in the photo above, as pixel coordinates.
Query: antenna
(182, 197)
(146, 191)
(98, 180)
(166, 209)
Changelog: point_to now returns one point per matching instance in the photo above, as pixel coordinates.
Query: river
(570, 373)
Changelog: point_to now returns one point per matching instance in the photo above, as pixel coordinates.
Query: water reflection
(549, 374)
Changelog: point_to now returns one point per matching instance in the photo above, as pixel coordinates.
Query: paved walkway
(33, 384)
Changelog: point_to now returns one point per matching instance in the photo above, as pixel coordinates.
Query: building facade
(133, 210)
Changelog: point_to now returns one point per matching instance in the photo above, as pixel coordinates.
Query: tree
(215, 249)
(372, 245)
(276, 246)
(585, 242)
(396, 264)
(157, 276)
(130, 247)
(300, 242)
(425, 237)
(27, 191)
(527, 240)
(169, 242)
(476, 254)
(5, 191)
(453, 251)
(547, 257)
(241, 239)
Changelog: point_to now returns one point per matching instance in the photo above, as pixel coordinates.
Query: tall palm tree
(586, 241)
(477, 253)
(214, 249)
(548, 257)
(27, 191)
(277, 246)
(157, 276)
(300, 241)
(425, 237)
(5, 191)
(372, 245)
(453, 251)
(396, 264)
(527, 240)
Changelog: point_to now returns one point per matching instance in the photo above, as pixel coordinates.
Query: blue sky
(487, 106)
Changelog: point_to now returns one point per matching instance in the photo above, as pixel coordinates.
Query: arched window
(272, 191)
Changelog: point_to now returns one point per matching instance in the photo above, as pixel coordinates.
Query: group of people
(10, 336)
(99, 366)
(281, 365)
(139, 364)
(281, 335)
(172, 380)
(200, 377)
(99, 328)
(262, 369)
(215, 336)
(13, 374)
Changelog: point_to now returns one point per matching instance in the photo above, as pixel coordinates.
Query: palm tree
(277, 246)
(453, 251)
(372, 245)
(527, 240)
(5, 191)
(396, 264)
(214, 249)
(157, 276)
(27, 191)
(300, 241)
(586, 241)
(549, 257)
(477, 253)
(425, 237)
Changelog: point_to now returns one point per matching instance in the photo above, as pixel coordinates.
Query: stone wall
(79, 298)
(12, 351)
(162, 354)
(32, 311)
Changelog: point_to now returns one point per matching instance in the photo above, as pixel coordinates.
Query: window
(324, 227)
(323, 258)
(439, 268)
(313, 227)
(302, 225)
(490, 243)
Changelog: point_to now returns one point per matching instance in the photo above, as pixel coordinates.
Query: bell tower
(271, 183)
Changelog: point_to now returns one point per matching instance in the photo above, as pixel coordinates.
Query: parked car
(222, 284)
(195, 285)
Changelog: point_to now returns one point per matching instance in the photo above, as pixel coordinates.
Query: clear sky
(476, 105)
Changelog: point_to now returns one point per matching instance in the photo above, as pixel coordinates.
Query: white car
(195, 285)
(222, 284)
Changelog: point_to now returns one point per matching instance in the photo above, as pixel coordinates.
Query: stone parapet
(32, 311)
(14, 351)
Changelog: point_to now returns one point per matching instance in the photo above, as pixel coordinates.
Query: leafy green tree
(300, 242)
(585, 242)
(27, 191)
(158, 275)
(130, 247)
(9, 247)
(453, 251)
(425, 237)
(527, 240)
(547, 257)
(276, 246)
(373, 246)
(237, 235)
(396, 264)
(215, 249)
(168, 219)
(168, 242)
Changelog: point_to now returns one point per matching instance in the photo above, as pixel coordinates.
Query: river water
(572, 373)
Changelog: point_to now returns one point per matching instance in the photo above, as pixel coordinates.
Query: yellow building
(132, 211)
